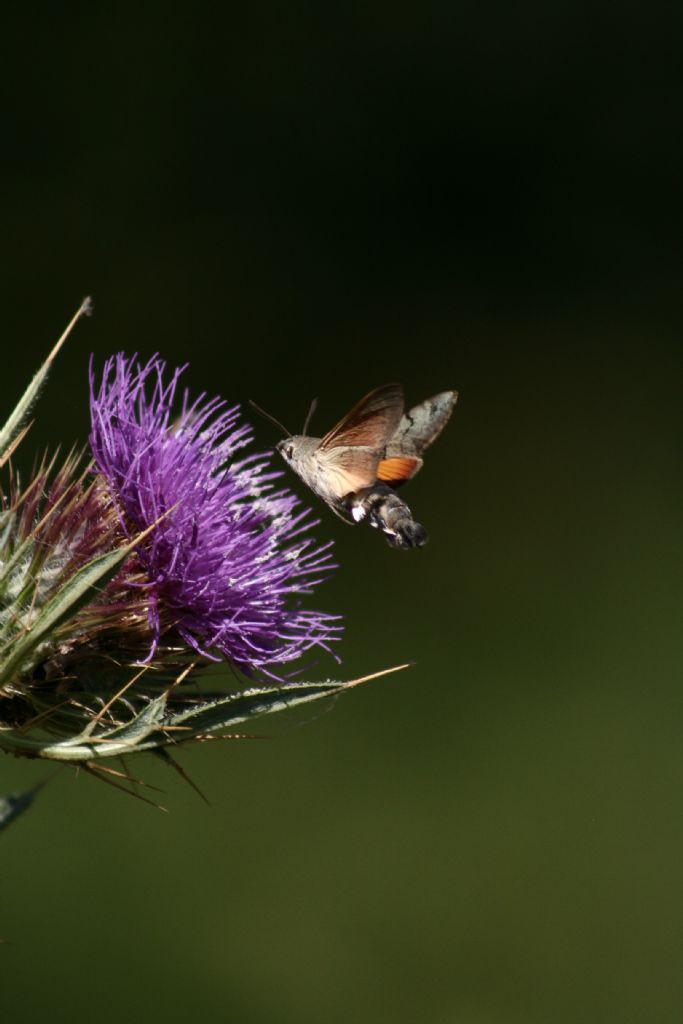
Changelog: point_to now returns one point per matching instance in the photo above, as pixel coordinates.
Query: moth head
(286, 448)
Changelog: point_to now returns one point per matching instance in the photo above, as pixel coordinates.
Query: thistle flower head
(229, 553)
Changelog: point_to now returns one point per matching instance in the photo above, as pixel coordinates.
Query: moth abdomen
(409, 534)
(384, 509)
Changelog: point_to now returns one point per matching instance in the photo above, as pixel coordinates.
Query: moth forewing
(421, 425)
(371, 422)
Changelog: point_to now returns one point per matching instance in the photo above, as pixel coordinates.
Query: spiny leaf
(11, 807)
(130, 735)
(146, 730)
(235, 708)
(21, 411)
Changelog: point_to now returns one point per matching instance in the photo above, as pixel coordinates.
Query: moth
(357, 466)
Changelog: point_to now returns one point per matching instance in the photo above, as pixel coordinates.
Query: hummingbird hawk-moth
(375, 448)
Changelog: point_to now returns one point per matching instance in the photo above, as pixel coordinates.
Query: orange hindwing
(398, 469)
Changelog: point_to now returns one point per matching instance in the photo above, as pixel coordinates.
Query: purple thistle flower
(230, 552)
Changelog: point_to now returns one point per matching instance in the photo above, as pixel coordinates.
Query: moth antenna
(269, 417)
(309, 417)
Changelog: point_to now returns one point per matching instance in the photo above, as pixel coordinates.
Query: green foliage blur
(310, 200)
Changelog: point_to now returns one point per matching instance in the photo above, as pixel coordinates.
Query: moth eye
(289, 451)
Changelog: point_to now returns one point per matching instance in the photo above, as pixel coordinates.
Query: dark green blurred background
(312, 200)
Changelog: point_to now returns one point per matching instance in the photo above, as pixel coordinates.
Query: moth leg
(344, 513)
